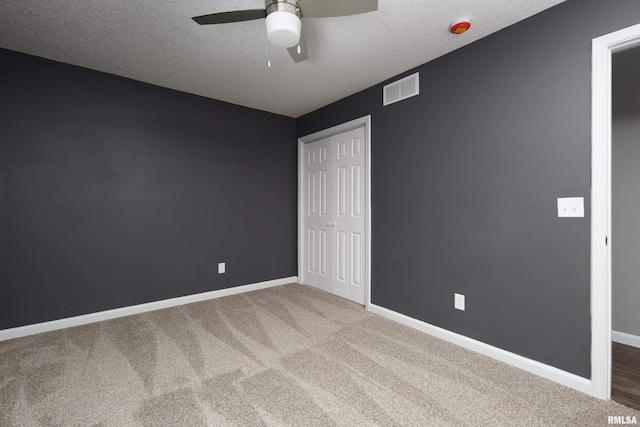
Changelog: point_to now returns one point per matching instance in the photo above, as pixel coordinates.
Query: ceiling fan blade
(303, 55)
(233, 16)
(331, 8)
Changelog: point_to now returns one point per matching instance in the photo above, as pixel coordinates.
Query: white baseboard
(549, 372)
(626, 339)
(23, 331)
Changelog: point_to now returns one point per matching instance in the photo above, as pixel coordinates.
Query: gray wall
(115, 192)
(626, 193)
(465, 178)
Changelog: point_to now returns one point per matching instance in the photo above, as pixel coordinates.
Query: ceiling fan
(283, 19)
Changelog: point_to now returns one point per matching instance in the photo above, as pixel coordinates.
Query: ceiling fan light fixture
(283, 28)
(283, 19)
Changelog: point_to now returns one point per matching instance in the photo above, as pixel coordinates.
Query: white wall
(626, 193)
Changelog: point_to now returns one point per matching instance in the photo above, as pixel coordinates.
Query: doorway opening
(603, 49)
(625, 237)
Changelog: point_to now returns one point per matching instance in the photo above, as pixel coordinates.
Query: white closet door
(316, 214)
(334, 214)
(348, 218)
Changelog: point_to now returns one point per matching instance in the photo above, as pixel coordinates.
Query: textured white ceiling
(156, 41)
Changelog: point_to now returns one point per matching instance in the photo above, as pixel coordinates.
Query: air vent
(401, 89)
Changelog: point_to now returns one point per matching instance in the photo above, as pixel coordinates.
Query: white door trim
(602, 49)
(353, 124)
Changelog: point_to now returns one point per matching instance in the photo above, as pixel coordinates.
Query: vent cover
(401, 89)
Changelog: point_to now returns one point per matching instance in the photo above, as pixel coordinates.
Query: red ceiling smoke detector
(460, 26)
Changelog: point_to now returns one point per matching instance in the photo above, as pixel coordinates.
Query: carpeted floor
(284, 356)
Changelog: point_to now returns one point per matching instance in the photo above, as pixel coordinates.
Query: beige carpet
(284, 356)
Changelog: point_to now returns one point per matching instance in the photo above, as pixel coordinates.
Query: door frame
(601, 107)
(325, 133)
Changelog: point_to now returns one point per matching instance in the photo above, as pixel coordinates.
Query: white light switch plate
(572, 207)
(221, 267)
(458, 301)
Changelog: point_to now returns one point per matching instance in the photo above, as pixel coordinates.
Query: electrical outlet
(458, 301)
(221, 268)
